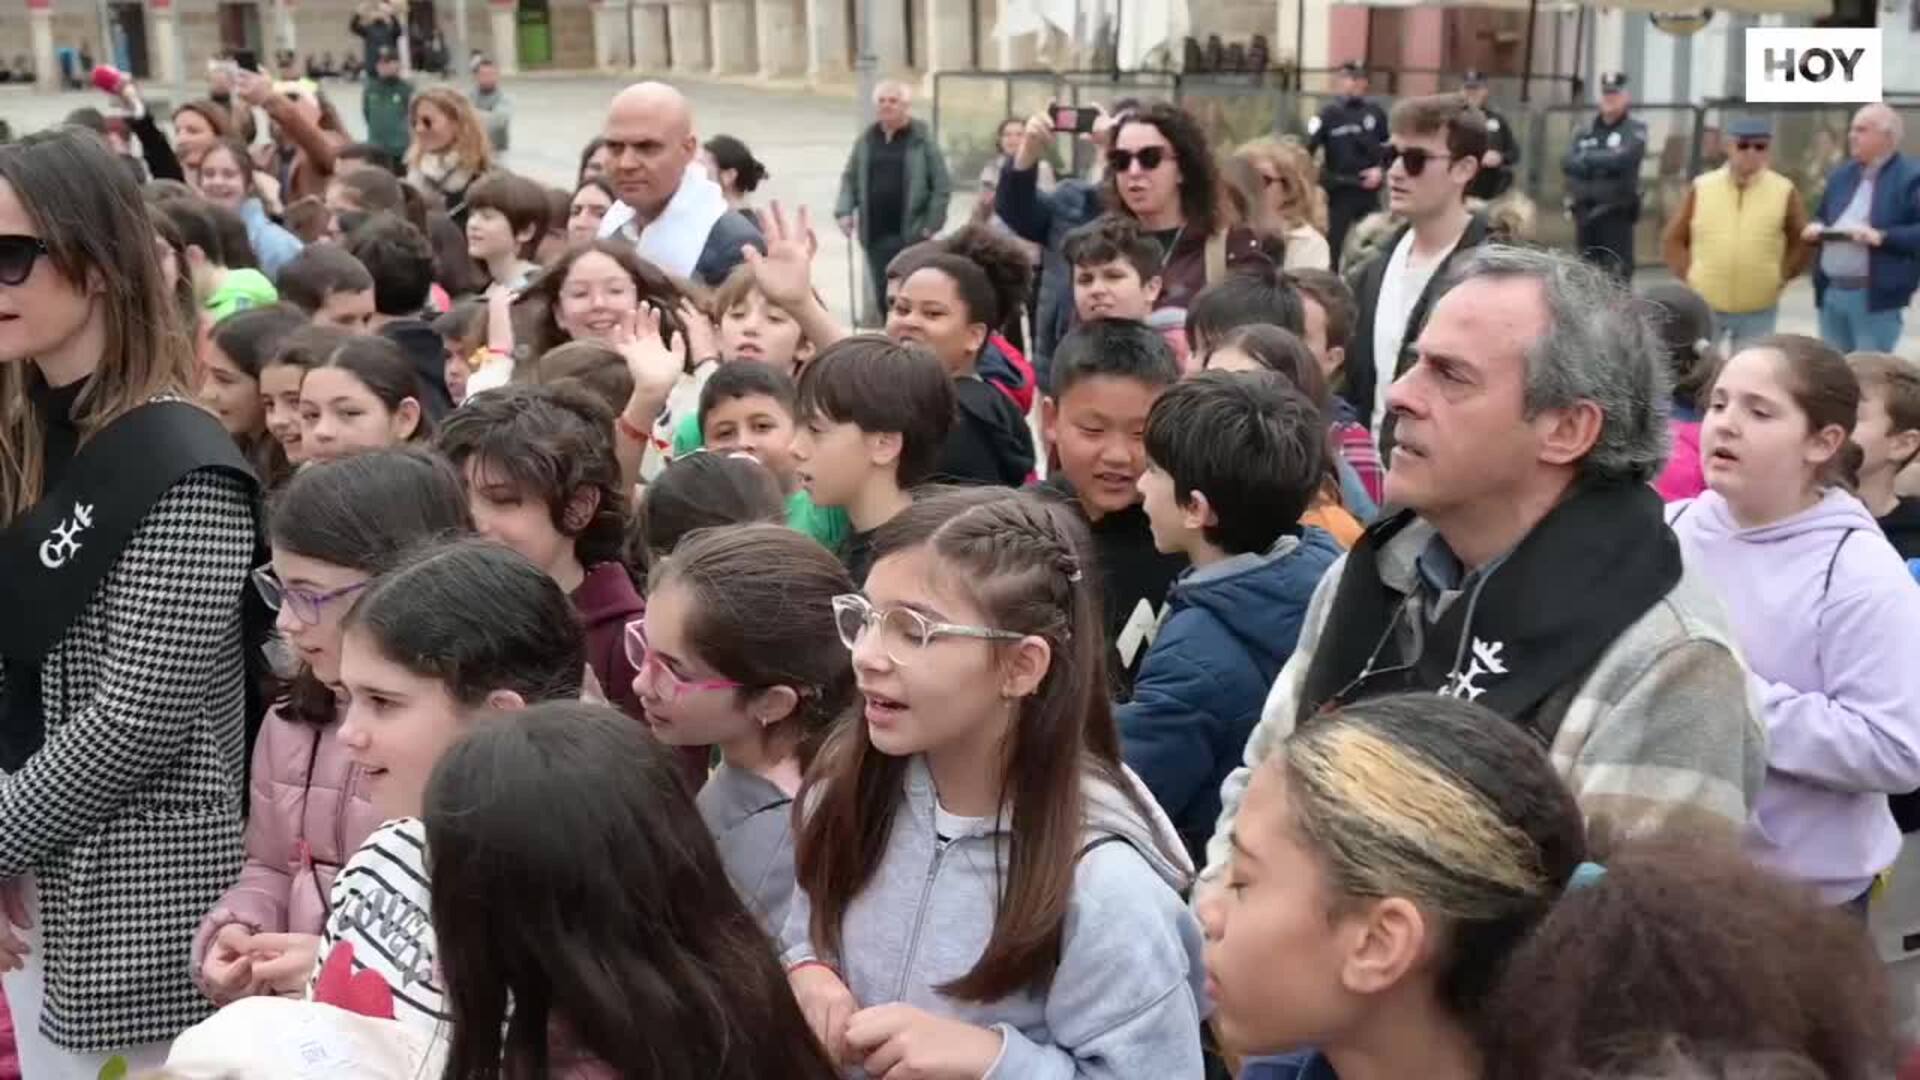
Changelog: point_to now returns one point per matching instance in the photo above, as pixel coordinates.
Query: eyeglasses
(1415, 158)
(904, 633)
(646, 663)
(1149, 158)
(423, 122)
(1751, 144)
(304, 603)
(17, 256)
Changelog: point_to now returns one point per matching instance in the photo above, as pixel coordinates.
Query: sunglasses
(17, 256)
(1149, 158)
(1751, 144)
(1415, 158)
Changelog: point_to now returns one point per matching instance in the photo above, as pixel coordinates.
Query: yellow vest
(1739, 239)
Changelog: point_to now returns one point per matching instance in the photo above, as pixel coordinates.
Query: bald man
(1868, 228)
(669, 208)
(895, 187)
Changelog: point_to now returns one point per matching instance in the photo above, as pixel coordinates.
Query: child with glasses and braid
(333, 527)
(984, 889)
(737, 651)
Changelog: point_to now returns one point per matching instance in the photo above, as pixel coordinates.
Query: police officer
(1351, 134)
(1603, 180)
(1503, 150)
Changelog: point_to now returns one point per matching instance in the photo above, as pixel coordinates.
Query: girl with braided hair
(948, 836)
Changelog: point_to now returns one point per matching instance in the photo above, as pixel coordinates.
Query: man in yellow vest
(1736, 238)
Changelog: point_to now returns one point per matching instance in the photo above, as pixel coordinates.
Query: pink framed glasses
(653, 672)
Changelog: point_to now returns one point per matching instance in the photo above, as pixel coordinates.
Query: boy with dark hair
(1106, 375)
(506, 219)
(1888, 434)
(1326, 305)
(330, 286)
(874, 417)
(747, 407)
(1253, 294)
(1234, 459)
(1116, 269)
(400, 262)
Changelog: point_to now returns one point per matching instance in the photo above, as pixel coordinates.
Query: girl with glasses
(950, 830)
(332, 528)
(737, 651)
(126, 531)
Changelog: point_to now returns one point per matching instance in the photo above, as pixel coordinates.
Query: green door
(535, 34)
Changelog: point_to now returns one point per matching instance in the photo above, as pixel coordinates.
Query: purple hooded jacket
(1827, 616)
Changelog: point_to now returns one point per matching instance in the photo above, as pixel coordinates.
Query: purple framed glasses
(653, 672)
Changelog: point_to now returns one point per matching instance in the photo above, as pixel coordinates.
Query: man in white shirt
(1435, 147)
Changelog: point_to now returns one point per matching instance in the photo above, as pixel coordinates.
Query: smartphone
(1835, 234)
(246, 60)
(1068, 120)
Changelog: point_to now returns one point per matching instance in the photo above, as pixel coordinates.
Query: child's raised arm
(784, 275)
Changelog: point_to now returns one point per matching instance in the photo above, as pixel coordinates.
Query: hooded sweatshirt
(1826, 615)
(990, 442)
(1228, 628)
(1126, 997)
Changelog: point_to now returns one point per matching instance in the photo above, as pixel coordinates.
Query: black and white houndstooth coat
(129, 814)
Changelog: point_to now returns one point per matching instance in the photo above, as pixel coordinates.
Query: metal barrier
(1683, 140)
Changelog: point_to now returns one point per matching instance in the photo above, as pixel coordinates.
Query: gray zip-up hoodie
(1126, 1000)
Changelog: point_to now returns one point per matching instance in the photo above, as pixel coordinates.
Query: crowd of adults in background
(1130, 661)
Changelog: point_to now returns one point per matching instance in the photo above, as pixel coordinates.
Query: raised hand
(251, 86)
(703, 343)
(784, 274)
(655, 363)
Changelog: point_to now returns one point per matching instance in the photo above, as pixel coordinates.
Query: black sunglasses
(1751, 144)
(1149, 158)
(17, 256)
(1414, 157)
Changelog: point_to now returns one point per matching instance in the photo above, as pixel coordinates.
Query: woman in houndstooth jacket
(126, 532)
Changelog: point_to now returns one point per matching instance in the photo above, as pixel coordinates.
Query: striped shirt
(381, 908)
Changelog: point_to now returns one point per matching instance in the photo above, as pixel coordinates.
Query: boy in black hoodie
(1888, 434)
(1107, 374)
(401, 264)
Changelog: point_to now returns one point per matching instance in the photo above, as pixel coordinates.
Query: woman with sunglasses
(737, 651)
(1289, 194)
(332, 528)
(450, 148)
(126, 531)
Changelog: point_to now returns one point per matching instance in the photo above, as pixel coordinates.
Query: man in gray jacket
(493, 104)
(895, 188)
(1530, 569)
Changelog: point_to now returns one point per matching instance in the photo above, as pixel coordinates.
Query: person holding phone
(377, 24)
(1868, 229)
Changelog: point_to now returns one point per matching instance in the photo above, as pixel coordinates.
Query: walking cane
(853, 286)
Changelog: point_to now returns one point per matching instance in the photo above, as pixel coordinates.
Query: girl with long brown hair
(951, 830)
(450, 149)
(126, 532)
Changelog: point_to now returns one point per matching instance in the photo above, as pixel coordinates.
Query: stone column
(782, 37)
(284, 29)
(610, 35)
(949, 37)
(827, 37)
(687, 34)
(649, 22)
(730, 23)
(503, 20)
(40, 18)
(889, 38)
(163, 43)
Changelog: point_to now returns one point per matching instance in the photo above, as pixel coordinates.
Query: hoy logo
(1801, 64)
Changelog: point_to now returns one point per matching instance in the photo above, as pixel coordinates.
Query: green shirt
(241, 289)
(827, 524)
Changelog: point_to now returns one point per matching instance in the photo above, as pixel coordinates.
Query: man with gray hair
(1529, 567)
(1868, 228)
(895, 187)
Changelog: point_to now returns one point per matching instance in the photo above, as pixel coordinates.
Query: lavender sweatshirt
(1833, 666)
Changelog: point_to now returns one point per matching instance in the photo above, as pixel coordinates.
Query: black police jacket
(1492, 183)
(1603, 165)
(1351, 134)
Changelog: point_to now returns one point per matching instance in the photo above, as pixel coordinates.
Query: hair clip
(1585, 875)
(1070, 566)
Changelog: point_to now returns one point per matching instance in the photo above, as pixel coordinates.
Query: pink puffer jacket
(308, 814)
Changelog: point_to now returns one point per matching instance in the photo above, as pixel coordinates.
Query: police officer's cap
(1474, 78)
(1613, 82)
(1354, 69)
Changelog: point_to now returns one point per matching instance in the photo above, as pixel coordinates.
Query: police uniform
(1351, 134)
(1493, 183)
(1602, 168)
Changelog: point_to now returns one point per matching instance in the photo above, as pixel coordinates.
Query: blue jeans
(1847, 325)
(1741, 327)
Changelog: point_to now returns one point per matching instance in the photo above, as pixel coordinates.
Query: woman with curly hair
(1290, 193)
(450, 147)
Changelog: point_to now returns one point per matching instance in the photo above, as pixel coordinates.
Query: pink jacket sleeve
(259, 898)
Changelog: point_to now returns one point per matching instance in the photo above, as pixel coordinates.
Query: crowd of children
(953, 659)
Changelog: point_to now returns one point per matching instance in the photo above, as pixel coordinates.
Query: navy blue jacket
(1893, 268)
(1045, 218)
(1227, 630)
